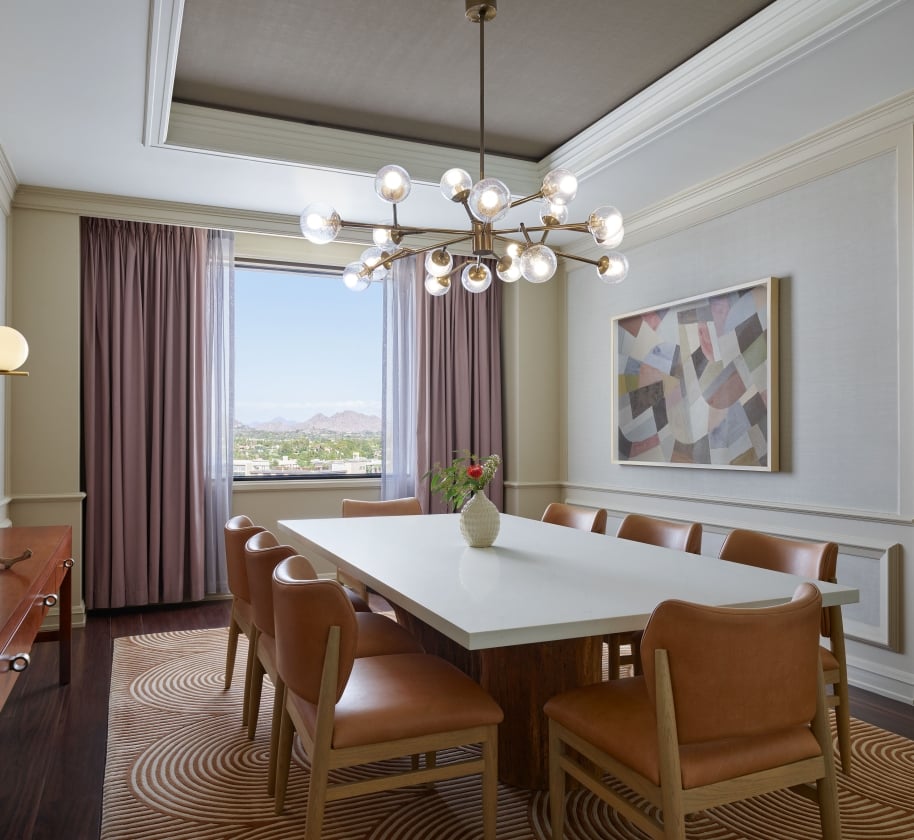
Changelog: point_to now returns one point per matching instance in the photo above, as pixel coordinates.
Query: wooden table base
(521, 678)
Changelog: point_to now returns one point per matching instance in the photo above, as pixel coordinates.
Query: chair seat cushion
(403, 695)
(359, 604)
(829, 661)
(378, 635)
(618, 718)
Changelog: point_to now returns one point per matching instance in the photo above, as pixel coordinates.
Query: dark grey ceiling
(410, 68)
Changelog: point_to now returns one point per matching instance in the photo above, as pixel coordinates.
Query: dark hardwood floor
(53, 739)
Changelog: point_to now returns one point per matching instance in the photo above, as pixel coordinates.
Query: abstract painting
(696, 381)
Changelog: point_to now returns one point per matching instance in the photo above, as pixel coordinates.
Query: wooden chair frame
(569, 754)
(324, 757)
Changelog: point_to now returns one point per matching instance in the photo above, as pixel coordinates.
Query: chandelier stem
(482, 98)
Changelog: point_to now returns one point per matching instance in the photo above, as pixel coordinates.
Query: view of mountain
(343, 422)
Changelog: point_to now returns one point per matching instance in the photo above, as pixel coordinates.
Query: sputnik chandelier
(486, 202)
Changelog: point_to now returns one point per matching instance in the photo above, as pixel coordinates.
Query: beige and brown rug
(180, 766)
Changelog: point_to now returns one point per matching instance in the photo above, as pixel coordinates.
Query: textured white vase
(479, 521)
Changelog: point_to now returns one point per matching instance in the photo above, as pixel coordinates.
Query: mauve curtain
(398, 388)
(144, 363)
(459, 381)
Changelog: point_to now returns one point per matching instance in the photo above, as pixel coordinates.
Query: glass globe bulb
(560, 186)
(383, 238)
(438, 262)
(352, 277)
(553, 214)
(320, 223)
(456, 184)
(612, 241)
(604, 224)
(437, 286)
(508, 269)
(538, 263)
(374, 259)
(392, 183)
(476, 278)
(490, 200)
(515, 249)
(613, 268)
(14, 349)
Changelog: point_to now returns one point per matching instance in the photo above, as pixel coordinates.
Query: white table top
(539, 582)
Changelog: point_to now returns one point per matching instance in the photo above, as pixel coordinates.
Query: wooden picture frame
(695, 381)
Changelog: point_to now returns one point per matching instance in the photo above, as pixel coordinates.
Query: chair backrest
(737, 672)
(305, 610)
(573, 516)
(261, 554)
(387, 507)
(683, 536)
(238, 530)
(812, 560)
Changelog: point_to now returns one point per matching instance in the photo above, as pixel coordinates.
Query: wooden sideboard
(27, 591)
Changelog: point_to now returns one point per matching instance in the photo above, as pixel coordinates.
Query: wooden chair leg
(843, 724)
(256, 689)
(557, 782)
(489, 782)
(317, 797)
(283, 759)
(231, 650)
(279, 703)
(248, 670)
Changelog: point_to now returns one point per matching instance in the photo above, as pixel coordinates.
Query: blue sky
(305, 344)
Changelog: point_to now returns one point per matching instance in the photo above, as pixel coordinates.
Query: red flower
(474, 471)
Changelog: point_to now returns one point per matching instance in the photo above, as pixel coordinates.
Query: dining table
(527, 616)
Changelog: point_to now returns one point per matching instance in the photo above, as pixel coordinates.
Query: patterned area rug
(180, 766)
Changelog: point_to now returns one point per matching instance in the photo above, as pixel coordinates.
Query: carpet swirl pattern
(180, 765)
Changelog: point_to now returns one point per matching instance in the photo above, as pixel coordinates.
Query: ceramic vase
(479, 521)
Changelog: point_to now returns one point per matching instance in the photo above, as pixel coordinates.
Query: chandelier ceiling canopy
(520, 251)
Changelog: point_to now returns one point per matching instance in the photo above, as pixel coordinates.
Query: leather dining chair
(814, 561)
(407, 506)
(682, 536)
(352, 711)
(378, 635)
(575, 516)
(703, 726)
(238, 530)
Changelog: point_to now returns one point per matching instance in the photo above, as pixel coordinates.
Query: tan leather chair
(409, 506)
(574, 516)
(237, 532)
(683, 536)
(703, 726)
(814, 561)
(349, 711)
(378, 634)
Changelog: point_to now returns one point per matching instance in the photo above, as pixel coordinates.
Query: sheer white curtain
(219, 402)
(399, 387)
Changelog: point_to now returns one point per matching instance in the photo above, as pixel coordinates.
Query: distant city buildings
(285, 466)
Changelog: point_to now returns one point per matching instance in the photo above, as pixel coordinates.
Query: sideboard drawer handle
(68, 563)
(50, 600)
(18, 662)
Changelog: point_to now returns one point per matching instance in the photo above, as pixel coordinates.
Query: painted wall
(832, 217)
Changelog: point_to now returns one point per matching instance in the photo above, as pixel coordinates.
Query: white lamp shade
(14, 349)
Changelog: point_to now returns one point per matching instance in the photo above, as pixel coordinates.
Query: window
(307, 375)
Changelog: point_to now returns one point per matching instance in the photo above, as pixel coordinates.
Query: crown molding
(156, 212)
(872, 132)
(777, 36)
(7, 183)
(165, 18)
(213, 131)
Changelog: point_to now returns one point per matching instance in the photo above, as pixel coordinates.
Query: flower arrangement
(465, 477)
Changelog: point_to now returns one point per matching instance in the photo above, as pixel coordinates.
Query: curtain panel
(145, 363)
(459, 381)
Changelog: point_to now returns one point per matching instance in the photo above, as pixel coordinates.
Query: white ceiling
(85, 97)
